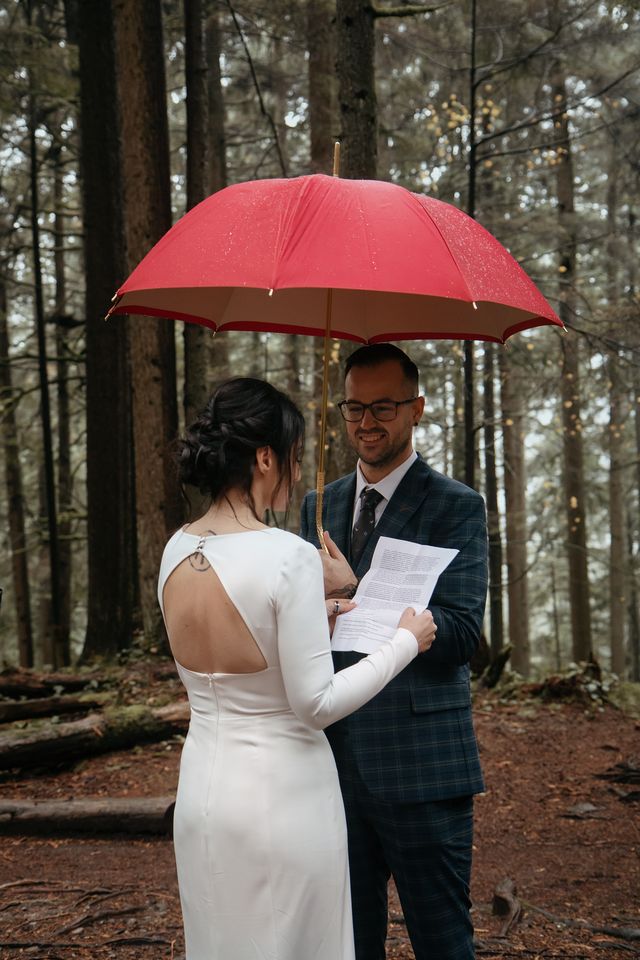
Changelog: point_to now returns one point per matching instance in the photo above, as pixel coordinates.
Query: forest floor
(568, 841)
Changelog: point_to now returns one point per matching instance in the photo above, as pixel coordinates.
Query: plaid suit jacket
(414, 741)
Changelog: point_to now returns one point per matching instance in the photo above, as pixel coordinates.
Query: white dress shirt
(385, 487)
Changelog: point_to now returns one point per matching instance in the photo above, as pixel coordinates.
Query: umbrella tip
(336, 159)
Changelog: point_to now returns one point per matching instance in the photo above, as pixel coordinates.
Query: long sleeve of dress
(317, 695)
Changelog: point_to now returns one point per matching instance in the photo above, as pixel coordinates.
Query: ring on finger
(336, 606)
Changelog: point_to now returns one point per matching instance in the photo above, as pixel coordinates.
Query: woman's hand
(421, 625)
(335, 607)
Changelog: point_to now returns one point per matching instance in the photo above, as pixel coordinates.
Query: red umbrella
(401, 266)
(362, 260)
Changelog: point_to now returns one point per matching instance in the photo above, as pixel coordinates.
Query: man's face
(382, 445)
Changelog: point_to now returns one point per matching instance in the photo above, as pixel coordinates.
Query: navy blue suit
(408, 760)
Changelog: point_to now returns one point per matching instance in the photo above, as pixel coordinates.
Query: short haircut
(374, 354)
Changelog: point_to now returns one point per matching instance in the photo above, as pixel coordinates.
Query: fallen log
(11, 710)
(148, 815)
(117, 728)
(25, 683)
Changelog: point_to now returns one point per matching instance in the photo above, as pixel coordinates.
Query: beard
(387, 454)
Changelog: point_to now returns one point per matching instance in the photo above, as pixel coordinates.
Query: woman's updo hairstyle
(243, 414)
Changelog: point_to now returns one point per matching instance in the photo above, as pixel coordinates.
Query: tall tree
(513, 427)
(574, 485)
(356, 88)
(322, 85)
(217, 149)
(617, 416)
(60, 644)
(15, 495)
(217, 347)
(147, 205)
(110, 510)
(496, 624)
(196, 337)
(62, 323)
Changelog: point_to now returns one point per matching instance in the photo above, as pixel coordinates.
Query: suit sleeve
(459, 599)
(316, 695)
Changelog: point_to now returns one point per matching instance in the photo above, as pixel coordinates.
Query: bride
(259, 830)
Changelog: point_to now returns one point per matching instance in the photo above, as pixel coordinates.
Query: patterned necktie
(369, 500)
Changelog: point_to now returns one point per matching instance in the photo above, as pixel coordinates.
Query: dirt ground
(568, 841)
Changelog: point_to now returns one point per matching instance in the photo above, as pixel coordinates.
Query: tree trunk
(147, 204)
(516, 516)
(110, 508)
(217, 147)
(496, 625)
(617, 416)
(196, 337)
(15, 496)
(60, 648)
(574, 487)
(356, 88)
(634, 613)
(218, 346)
(65, 478)
(116, 729)
(458, 453)
(280, 99)
(322, 83)
(45, 653)
(634, 530)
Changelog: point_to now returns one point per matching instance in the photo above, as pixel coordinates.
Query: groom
(408, 759)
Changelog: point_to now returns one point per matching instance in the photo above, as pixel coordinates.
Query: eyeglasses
(383, 410)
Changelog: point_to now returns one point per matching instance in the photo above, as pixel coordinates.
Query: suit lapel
(337, 512)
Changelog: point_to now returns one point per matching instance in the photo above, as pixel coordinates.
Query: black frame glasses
(382, 410)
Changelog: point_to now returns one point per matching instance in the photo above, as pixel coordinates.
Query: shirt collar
(388, 485)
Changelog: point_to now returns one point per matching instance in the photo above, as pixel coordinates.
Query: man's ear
(264, 459)
(418, 410)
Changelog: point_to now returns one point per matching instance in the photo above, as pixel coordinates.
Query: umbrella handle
(319, 498)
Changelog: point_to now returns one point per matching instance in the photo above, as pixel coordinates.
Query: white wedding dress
(259, 828)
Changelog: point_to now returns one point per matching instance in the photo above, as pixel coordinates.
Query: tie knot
(370, 498)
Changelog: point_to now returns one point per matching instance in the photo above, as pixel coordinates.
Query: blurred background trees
(117, 117)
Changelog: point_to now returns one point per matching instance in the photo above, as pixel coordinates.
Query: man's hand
(339, 578)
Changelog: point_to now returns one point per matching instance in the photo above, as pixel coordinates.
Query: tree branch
(263, 109)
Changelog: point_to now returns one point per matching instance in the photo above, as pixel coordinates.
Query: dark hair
(373, 354)
(218, 451)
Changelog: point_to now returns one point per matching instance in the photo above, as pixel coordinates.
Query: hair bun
(218, 451)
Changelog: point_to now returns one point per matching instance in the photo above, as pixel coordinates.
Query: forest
(119, 116)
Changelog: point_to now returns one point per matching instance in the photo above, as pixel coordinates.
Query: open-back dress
(259, 828)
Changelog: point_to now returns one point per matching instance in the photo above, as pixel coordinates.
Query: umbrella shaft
(323, 419)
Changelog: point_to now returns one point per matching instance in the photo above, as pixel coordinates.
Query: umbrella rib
(288, 217)
(423, 207)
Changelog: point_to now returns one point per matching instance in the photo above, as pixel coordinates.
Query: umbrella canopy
(361, 260)
(262, 255)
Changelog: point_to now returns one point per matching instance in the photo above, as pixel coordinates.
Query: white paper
(402, 574)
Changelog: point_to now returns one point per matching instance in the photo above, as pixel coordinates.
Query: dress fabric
(259, 826)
